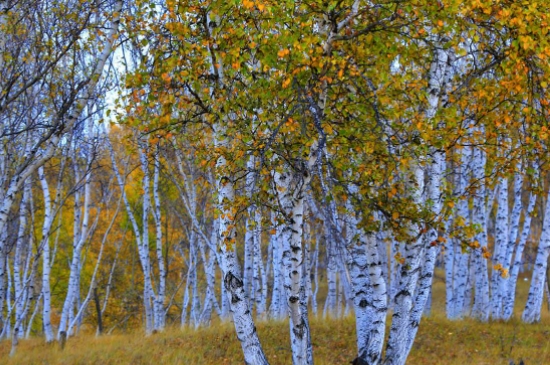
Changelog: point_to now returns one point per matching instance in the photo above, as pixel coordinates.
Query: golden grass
(439, 341)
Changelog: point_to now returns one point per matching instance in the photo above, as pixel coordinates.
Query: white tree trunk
(425, 281)
(242, 317)
(501, 245)
(209, 272)
(536, 292)
(514, 272)
(81, 234)
(82, 306)
(315, 273)
(332, 279)
(143, 244)
(277, 309)
(451, 261)
(248, 273)
(45, 247)
(370, 298)
(460, 271)
(21, 261)
(404, 299)
(185, 303)
(408, 307)
(290, 190)
(481, 308)
(159, 310)
(259, 277)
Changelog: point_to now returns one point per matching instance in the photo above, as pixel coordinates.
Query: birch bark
(232, 281)
(408, 306)
(21, 262)
(481, 308)
(533, 307)
(290, 189)
(45, 247)
(370, 298)
(226, 240)
(501, 245)
(80, 236)
(461, 269)
(426, 275)
(159, 310)
(518, 263)
(276, 308)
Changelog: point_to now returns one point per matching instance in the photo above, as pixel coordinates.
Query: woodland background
(196, 162)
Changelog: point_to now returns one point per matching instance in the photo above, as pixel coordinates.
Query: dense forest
(171, 162)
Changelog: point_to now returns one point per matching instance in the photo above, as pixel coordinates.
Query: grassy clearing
(439, 341)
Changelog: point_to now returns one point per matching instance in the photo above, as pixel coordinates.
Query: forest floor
(439, 341)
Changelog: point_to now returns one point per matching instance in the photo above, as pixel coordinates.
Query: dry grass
(439, 341)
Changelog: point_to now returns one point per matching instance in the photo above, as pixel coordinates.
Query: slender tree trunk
(185, 303)
(276, 309)
(504, 279)
(536, 291)
(501, 245)
(451, 261)
(209, 272)
(514, 272)
(143, 244)
(290, 189)
(81, 233)
(45, 247)
(259, 278)
(370, 298)
(426, 276)
(315, 273)
(21, 262)
(232, 281)
(159, 310)
(195, 299)
(248, 273)
(410, 300)
(332, 279)
(481, 307)
(460, 271)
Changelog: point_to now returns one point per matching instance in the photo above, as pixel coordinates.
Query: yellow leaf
(248, 4)
(286, 83)
(283, 52)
